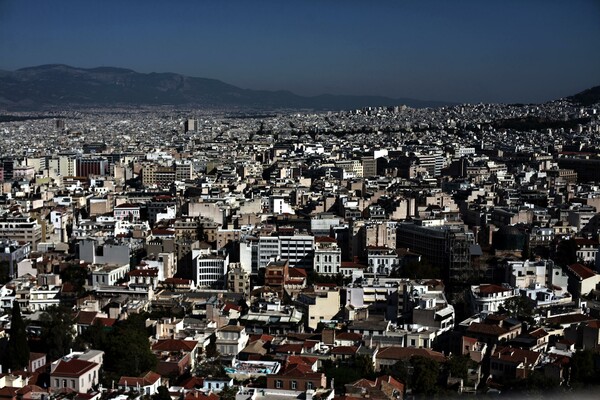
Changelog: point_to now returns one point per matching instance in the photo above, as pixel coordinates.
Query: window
(309, 385)
(278, 384)
(294, 385)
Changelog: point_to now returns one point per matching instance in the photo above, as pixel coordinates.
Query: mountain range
(57, 85)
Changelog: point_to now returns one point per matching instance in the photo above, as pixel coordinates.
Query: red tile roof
(403, 353)
(355, 337)
(73, 368)
(516, 356)
(581, 271)
(491, 288)
(175, 345)
(131, 381)
(325, 239)
(289, 348)
(344, 350)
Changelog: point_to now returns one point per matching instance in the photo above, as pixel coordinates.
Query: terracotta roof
(585, 242)
(568, 319)
(390, 380)
(594, 324)
(486, 329)
(516, 356)
(231, 328)
(309, 344)
(300, 371)
(86, 317)
(349, 350)
(306, 360)
(352, 264)
(128, 205)
(355, 337)
(8, 392)
(263, 337)
(491, 288)
(297, 273)
(192, 382)
(107, 322)
(72, 368)
(403, 353)
(174, 345)
(196, 395)
(149, 379)
(538, 333)
(163, 232)
(231, 306)
(325, 239)
(581, 271)
(289, 348)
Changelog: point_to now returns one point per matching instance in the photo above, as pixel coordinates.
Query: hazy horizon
(471, 51)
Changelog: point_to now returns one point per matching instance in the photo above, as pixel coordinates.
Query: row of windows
(293, 385)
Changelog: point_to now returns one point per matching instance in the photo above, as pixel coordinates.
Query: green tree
(517, 307)
(94, 337)
(458, 366)
(57, 331)
(398, 371)
(425, 375)
(566, 252)
(364, 364)
(76, 276)
(162, 393)
(583, 371)
(18, 349)
(228, 393)
(131, 359)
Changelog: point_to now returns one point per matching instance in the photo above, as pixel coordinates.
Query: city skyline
(466, 52)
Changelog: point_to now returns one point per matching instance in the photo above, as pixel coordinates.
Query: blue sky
(468, 51)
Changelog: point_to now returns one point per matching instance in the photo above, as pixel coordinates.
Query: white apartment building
(108, 274)
(327, 258)
(488, 298)
(209, 270)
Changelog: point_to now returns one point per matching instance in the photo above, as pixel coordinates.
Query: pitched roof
(486, 329)
(86, 317)
(516, 355)
(491, 288)
(306, 360)
(349, 350)
(581, 271)
(72, 368)
(289, 348)
(174, 345)
(355, 337)
(300, 371)
(148, 379)
(403, 353)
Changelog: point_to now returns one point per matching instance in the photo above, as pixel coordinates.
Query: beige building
(21, 229)
(238, 279)
(320, 303)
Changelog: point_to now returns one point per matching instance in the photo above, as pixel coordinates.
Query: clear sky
(453, 50)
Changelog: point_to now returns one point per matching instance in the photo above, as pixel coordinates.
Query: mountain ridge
(56, 85)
